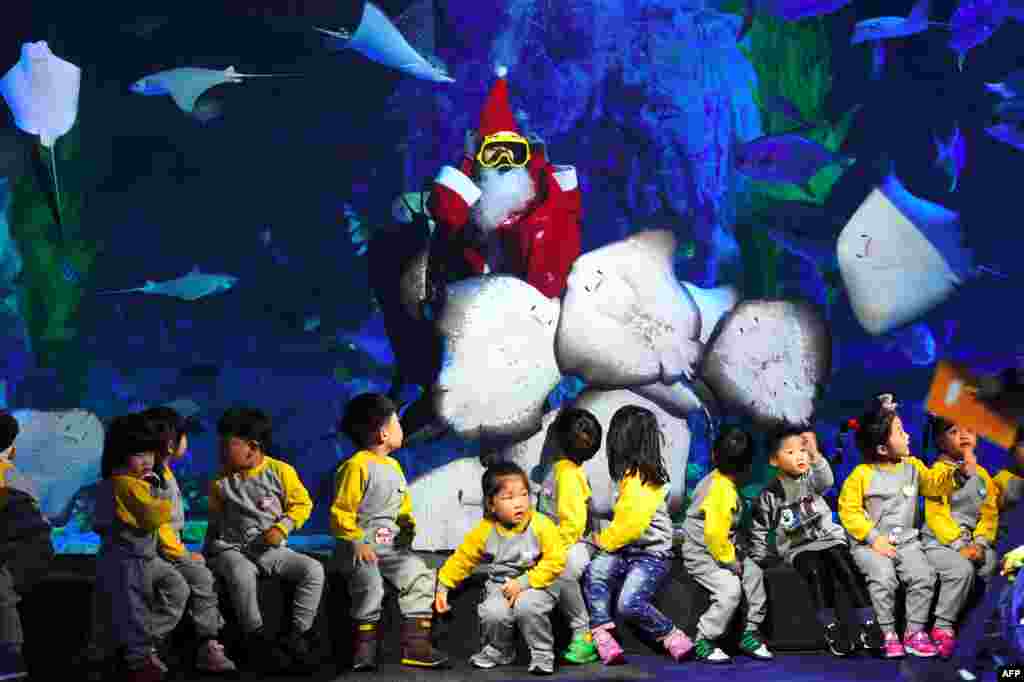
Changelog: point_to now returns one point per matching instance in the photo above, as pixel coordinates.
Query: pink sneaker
(945, 640)
(919, 644)
(892, 647)
(607, 648)
(677, 644)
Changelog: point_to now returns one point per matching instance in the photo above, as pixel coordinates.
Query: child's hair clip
(887, 402)
(851, 425)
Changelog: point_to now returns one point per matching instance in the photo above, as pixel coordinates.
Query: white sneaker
(966, 675)
(489, 657)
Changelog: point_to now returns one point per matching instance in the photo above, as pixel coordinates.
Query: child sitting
(1009, 482)
(131, 505)
(959, 533)
(565, 497)
(371, 518)
(635, 549)
(806, 537)
(196, 579)
(25, 548)
(713, 557)
(878, 508)
(525, 555)
(255, 503)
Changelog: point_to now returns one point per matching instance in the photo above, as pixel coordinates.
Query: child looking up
(636, 547)
(878, 508)
(806, 537)
(372, 521)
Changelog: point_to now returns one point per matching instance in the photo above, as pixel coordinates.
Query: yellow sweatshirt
(564, 498)
(245, 504)
(1009, 486)
(531, 552)
(969, 508)
(639, 519)
(371, 494)
(713, 517)
(168, 537)
(866, 501)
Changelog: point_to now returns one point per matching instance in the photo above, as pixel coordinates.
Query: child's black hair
(491, 482)
(934, 427)
(9, 430)
(634, 446)
(875, 427)
(578, 433)
(129, 435)
(247, 423)
(777, 435)
(733, 451)
(364, 415)
(171, 426)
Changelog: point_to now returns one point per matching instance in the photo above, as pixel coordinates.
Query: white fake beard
(503, 194)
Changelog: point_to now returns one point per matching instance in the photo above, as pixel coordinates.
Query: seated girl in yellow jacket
(525, 555)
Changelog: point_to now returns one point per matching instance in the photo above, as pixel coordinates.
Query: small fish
(1011, 110)
(187, 84)
(358, 231)
(974, 22)
(1011, 87)
(311, 323)
(886, 28)
(916, 342)
(1012, 135)
(786, 158)
(190, 287)
(951, 156)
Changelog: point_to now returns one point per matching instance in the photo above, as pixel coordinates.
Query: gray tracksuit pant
(531, 614)
(400, 567)
(241, 572)
(884, 576)
(570, 593)
(727, 591)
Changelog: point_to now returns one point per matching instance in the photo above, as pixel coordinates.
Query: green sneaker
(752, 644)
(706, 651)
(581, 650)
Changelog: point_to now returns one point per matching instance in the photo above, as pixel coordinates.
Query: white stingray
(681, 398)
(713, 305)
(187, 84)
(899, 257)
(499, 363)
(769, 360)
(42, 91)
(379, 39)
(626, 319)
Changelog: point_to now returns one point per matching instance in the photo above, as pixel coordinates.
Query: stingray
(42, 91)
(626, 319)
(901, 256)
(501, 331)
(379, 40)
(682, 398)
(769, 360)
(187, 84)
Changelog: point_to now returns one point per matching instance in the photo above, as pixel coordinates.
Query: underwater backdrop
(216, 250)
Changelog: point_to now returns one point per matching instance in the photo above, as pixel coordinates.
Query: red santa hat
(496, 116)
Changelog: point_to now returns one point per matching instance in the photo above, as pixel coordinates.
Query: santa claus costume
(507, 209)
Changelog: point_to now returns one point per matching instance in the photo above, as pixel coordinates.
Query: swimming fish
(916, 342)
(885, 28)
(907, 247)
(769, 360)
(189, 287)
(379, 40)
(185, 85)
(501, 328)
(951, 156)
(1012, 135)
(626, 320)
(1010, 87)
(786, 158)
(974, 22)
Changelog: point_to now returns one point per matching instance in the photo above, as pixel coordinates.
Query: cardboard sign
(952, 397)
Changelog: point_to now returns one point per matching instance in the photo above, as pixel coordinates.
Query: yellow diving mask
(504, 149)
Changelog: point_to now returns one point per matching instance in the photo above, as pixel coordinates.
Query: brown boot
(416, 647)
(364, 640)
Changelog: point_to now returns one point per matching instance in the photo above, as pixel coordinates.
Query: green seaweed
(56, 261)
